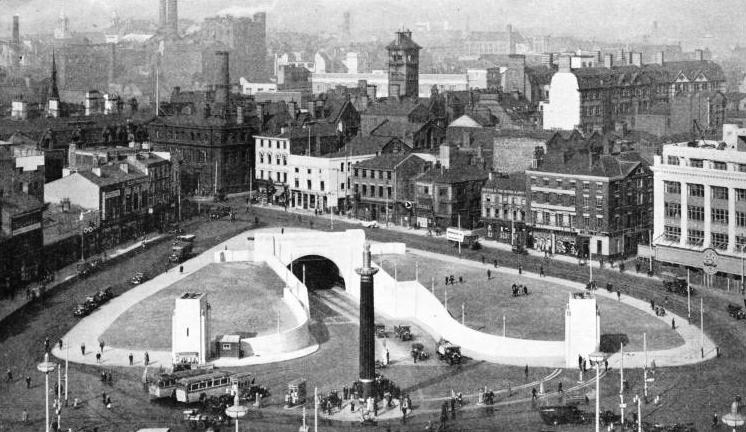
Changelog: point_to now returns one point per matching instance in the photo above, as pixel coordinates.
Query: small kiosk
(229, 346)
(296, 394)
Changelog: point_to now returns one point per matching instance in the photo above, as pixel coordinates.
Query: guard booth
(229, 346)
(297, 391)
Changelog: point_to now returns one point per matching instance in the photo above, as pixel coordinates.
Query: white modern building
(272, 158)
(190, 329)
(700, 204)
(563, 109)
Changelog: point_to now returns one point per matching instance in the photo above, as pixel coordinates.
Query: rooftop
(111, 174)
(387, 161)
(363, 145)
(513, 182)
(458, 174)
(605, 165)
(19, 203)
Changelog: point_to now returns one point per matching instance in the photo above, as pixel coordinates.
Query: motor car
(370, 224)
(559, 415)
(418, 351)
(449, 352)
(82, 310)
(736, 311)
(138, 278)
(403, 332)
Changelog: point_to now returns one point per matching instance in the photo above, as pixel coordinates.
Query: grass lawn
(245, 297)
(540, 315)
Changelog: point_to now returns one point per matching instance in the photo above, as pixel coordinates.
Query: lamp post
(733, 418)
(597, 357)
(46, 366)
(236, 410)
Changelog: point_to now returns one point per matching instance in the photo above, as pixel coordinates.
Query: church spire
(54, 91)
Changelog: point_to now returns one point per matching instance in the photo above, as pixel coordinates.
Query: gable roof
(365, 145)
(606, 165)
(111, 174)
(387, 161)
(465, 121)
(456, 174)
(393, 108)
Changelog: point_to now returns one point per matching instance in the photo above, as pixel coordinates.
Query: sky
(600, 19)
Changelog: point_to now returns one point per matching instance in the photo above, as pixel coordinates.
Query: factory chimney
(162, 14)
(222, 81)
(172, 17)
(16, 31)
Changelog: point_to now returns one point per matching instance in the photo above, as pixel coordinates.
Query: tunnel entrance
(321, 273)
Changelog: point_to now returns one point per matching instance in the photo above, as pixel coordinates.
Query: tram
(165, 384)
(192, 389)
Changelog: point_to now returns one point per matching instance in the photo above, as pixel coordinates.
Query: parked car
(138, 278)
(736, 311)
(403, 332)
(418, 352)
(558, 415)
(449, 352)
(370, 224)
(676, 284)
(82, 309)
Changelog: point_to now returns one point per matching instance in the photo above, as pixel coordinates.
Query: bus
(192, 389)
(165, 384)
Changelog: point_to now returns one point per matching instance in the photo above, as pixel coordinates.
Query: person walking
(525, 290)
(520, 269)
(46, 345)
(60, 344)
(101, 345)
(147, 358)
(533, 393)
(447, 284)
(673, 324)
(525, 372)
(489, 274)
(82, 349)
(24, 416)
(98, 357)
(9, 375)
(606, 365)
(541, 270)
(131, 358)
(494, 262)
(28, 382)
(715, 420)
(618, 295)
(103, 398)
(482, 259)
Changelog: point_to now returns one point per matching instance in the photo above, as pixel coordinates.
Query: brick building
(504, 208)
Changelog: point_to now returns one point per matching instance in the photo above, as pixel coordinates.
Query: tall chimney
(222, 86)
(16, 31)
(172, 17)
(112, 63)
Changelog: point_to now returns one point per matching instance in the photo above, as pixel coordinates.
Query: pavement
(89, 330)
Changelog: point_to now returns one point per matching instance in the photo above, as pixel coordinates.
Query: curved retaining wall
(411, 300)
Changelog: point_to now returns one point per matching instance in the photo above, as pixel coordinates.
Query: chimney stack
(16, 31)
(660, 58)
(222, 86)
(608, 61)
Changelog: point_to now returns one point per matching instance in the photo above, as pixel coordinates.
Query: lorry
(449, 352)
(180, 251)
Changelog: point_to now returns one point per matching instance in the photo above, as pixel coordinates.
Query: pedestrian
(28, 382)
(714, 420)
(147, 358)
(585, 365)
(388, 357)
(525, 290)
(559, 387)
(452, 279)
(60, 344)
(9, 375)
(494, 262)
(673, 324)
(482, 259)
(533, 393)
(108, 402)
(580, 362)
(606, 365)
(618, 295)
(82, 349)
(101, 345)
(460, 279)
(447, 284)
(541, 270)
(520, 269)
(46, 345)
(103, 398)
(352, 405)
(525, 372)
(131, 358)
(282, 230)
(652, 304)
(98, 357)
(489, 274)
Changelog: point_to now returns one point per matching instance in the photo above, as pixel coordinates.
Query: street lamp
(235, 411)
(733, 418)
(597, 357)
(46, 366)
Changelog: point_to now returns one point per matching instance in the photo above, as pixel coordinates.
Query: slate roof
(513, 182)
(363, 145)
(393, 108)
(317, 129)
(387, 161)
(397, 129)
(607, 165)
(111, 175)
(456, 174)
(405, 42)
(598, 77)
(19, 203)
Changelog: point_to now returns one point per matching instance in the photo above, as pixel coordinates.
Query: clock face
(710, 257)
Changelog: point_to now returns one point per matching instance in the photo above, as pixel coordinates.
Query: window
(365, 173)
(284, 160)
(297, 170)
(719, 192)
(321, 185)
(388, 175)
(718, 165)
(742, 167)
(740, 242)
(672, 210)
(297, 183)
(696, 190)
(586, 221)
(719, 215)
(695, 213)
(740, 194)
(586, 185)
(672, 233)
(427, 190)
(341, 186)
(277, 176)
(354, 173)
(741, 219)
(308, 184)
(365, 190)
(342, 166)
(672, 160)
(226, 347)
(546, 181)
(586, 202)
(672, 187)
(261, 157)
(388, 192)
(599, 203)
(284, 177)
(380, 175)
(308, 171)
(560, 219)
(696, 163)
(695, 237)
(279, 160)
(443, 191)
(719, 241)
(547, 218)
